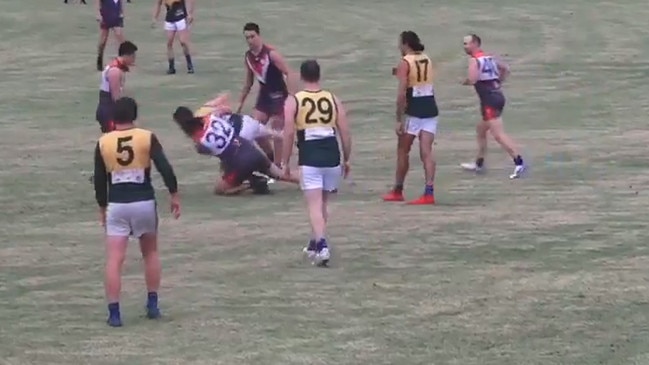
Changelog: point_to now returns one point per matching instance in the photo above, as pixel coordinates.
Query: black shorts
(492, 105)
(104, 115)
(240, 165)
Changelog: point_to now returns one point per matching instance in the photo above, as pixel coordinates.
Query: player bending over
(486, 73)
(317, 117)
(216, 136)
(127, 204)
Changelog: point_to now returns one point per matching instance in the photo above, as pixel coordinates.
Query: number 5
(124, 145)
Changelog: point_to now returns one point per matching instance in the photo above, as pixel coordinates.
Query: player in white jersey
(486, 73)
(215, 135)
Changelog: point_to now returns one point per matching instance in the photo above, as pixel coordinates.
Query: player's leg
(481, 130)
(427, 155)
(498, 132)
(170, 29)
(145, 226)
(312, 184)
(117, 232)
(101, 45)
(404, 144)
(184, 38)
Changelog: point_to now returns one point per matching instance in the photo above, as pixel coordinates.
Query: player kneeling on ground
(127, 202)
(216, 135)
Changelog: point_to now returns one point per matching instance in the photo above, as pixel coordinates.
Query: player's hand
(175, 206)
(398, 128)
(154, 22)
(286, 171)
(466, 82)
(347, 168)
(190, 19)
(102, 216)
(98, 17)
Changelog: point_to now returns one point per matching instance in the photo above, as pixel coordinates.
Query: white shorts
(131, 219)
(325, 178)
(415, 125)
(176, 26)
(251, 129)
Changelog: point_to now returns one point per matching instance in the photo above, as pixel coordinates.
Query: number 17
(422, 77)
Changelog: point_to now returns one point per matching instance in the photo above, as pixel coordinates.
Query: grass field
(551, 269)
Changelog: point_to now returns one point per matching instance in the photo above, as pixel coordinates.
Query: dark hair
(184, 117)
(127, 48)
(475, 39)
(251, 27)
(310, 71)
(125, 110)
(411, 39)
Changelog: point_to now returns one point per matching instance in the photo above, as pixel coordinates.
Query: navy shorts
(109, 23)
(271, 103)
(240, 165)
(492, 105)
(104, 115)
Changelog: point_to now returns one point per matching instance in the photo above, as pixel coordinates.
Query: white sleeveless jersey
(217, 135)
(104, 85)
(488, 68)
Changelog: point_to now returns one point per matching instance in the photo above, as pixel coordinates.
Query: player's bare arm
(191, 5)
(247, 85)
(98, 10)
(345, 135)
(156, 11)
(100, 182)
(291, 77)
(167, 172)
(473, 72)
(503, 69)
(115, 83)
(402, 88)
(290, 107)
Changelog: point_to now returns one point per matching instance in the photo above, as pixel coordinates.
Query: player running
(179, 18)
(416, 116)
(110, 15)
(316, 116)
(127, 204)
(216, 136)
(486, 73)
(112, 83)
(268, 66)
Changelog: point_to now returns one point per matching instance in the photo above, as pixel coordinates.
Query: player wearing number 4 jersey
(416, 116)
(316, 116)
(486, 73)
(127, 202)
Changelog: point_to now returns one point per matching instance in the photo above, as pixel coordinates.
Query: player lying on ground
(127, 204)
(216, 136)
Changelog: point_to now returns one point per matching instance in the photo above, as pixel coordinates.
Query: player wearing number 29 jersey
(127, 203)
(317, 117)
(486, 74)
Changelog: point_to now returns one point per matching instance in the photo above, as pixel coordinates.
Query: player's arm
(156, 10)
(473, 72)
(115, 83)
(402, 88)
(247, 85)
(290, 107)
(191, 5)
(163, 166)
(345, 132)
(503, 69)
(100, 179)
(282, 65)
(98, 9)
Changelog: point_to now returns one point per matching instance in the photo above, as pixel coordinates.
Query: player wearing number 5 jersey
(127, 202)
(316, 116)
(486, 73)
(416, 116)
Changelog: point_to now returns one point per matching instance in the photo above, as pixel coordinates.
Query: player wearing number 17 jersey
(486, 73)
(416, 116)
(317, 117)
(127, 202)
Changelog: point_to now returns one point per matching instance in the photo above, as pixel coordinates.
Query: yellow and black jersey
(316, 121)
(123, 166)
(420, 96)
(176, 10)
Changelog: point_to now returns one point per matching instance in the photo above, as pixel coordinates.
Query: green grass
(547, 270)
